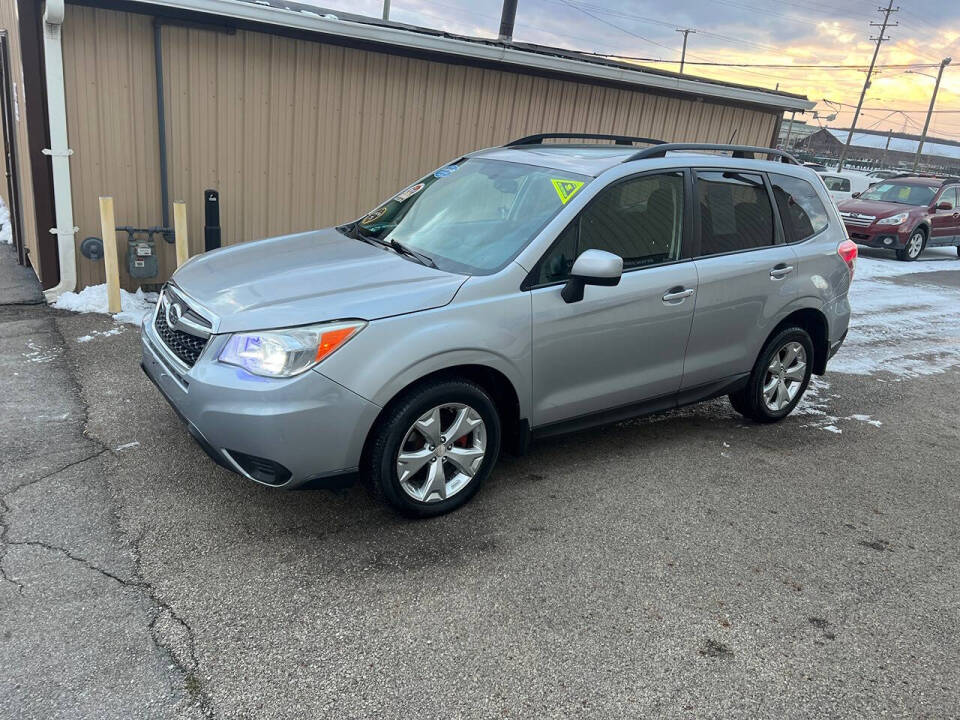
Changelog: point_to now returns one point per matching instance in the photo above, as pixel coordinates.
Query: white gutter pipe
(59, 151)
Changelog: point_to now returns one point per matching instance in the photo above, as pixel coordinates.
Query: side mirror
(942, 206)
(855, 195)
(593, 267)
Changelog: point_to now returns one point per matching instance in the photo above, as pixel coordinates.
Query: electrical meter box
(142, 257)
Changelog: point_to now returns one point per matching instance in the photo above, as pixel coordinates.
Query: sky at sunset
(743, 31)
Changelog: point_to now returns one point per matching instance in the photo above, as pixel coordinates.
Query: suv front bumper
(278, 432)
(890, 237)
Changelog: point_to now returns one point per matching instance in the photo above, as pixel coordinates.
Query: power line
(881, 38)
(781, 66)
(883, 109)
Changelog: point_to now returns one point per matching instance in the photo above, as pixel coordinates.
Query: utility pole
(786, 142)
(386, 9)
(886, 148)
(508, 16)
(887, 11)
(933, 100)
(683, 54)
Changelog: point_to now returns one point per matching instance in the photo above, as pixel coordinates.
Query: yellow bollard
(180, 231)
(111, 262)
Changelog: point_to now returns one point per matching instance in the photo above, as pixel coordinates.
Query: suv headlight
(285, 353)
(894, 219)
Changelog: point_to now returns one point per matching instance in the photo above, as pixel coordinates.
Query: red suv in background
(905, 213)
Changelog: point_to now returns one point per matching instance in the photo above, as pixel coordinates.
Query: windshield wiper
(418, 256)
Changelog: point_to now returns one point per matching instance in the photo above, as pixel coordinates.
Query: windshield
(901, 193)
(473, 216)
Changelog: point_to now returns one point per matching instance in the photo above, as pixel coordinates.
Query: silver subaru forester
(516, 292)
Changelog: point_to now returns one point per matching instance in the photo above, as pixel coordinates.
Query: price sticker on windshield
(409, 192)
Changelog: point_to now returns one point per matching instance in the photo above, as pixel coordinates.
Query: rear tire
(779, 377)
(914, 247)
(439, 473)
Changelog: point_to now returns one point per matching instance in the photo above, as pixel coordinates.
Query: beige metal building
(299, 119)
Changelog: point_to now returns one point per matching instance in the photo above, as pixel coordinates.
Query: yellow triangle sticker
(566, 189)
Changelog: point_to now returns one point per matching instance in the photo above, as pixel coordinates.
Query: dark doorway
(8, 119)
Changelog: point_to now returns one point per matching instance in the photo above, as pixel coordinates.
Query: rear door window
(801, 211)
(735, 212)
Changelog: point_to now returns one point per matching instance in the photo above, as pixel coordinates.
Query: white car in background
(845, 185)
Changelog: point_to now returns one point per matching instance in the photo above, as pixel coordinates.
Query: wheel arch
(815, 323)
(495, 383)
(922, 225)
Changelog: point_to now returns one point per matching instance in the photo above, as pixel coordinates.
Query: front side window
(640, 219)
(473, 216)
(951, 196)
(801, 212)
(899, 192)
(735, 212)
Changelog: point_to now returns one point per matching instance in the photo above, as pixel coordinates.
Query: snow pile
(6, 232)
(94, 299)
(906, 330)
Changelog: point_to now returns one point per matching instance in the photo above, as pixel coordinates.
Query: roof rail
(932, 176)
(618, 139)
(739, 151)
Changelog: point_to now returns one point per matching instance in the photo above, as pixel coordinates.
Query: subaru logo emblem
(174, 313)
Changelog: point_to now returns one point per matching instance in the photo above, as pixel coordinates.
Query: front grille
(185, 346)
(860, 221)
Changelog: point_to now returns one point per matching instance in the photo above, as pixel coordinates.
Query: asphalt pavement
(689, 565)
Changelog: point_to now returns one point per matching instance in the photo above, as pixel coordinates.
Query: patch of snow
(814, 404)
(100, 333)
(906, 330)
(6, 230)
(93, 299)
(864, 419)
(41, 354)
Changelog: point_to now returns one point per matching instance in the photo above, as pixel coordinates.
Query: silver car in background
(516, 292)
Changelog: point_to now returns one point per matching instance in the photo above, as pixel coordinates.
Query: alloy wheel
(915, 245)
(441, 452)
(784, 376)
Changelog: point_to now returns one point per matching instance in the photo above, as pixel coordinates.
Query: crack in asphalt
(189, 668)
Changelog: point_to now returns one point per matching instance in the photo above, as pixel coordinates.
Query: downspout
(59, 151)
(161, 124)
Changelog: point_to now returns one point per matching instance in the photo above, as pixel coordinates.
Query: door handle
(781, 271)
(677, 293)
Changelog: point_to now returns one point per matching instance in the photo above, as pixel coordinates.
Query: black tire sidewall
(759, 409)
(399, 421)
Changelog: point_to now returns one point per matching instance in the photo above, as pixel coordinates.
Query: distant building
(790, 136)
(871, 148)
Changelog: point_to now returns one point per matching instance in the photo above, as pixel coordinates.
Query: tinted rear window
(801, 212)
(735, 212)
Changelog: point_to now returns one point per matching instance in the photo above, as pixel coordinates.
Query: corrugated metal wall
(8, 22)
(298, 134)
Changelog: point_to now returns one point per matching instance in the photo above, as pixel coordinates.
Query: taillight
(847, 250)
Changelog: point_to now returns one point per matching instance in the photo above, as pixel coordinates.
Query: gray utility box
(142, 257)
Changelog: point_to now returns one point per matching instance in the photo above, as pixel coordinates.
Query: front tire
(915, 245)
(779, 377)
(434, 448)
